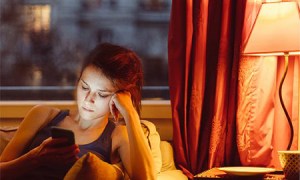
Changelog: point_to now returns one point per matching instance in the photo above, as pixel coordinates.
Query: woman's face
(94, 92)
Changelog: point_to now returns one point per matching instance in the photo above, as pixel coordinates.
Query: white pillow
(154, 142)
(167, 156)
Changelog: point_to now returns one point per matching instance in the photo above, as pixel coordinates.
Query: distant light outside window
(42, 44)
(37, 17)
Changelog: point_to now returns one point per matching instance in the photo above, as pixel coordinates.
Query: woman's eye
(84, 88)
(102, 95)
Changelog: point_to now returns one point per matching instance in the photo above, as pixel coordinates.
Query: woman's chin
(89, 118)
(84, 117)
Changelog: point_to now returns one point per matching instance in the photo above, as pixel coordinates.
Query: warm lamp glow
(276, 30)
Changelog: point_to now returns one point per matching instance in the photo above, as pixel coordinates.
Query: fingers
(52, 142)
(67, 154)
(115, 113)
(51, 152)
(70, 157)
(113, 109)
(120, 99)
(74, 149)
(58, 146)
(58, 142)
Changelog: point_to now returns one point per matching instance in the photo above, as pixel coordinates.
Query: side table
(215, 173)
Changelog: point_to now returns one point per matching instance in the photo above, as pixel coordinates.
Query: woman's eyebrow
(84, 82)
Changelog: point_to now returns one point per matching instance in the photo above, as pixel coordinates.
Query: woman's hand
(121, 103)
(51, 153)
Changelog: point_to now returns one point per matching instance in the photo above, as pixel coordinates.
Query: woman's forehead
(93, 76)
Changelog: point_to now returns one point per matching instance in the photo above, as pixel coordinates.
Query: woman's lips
(87, 109)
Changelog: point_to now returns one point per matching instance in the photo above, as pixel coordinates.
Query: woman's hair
(121, 65)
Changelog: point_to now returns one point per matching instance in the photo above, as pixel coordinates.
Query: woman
(110, 83)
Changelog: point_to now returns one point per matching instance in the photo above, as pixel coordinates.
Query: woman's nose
(90, 97)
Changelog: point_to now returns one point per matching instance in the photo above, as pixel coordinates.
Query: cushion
(167, 156)
(90, 166)
(154, 143)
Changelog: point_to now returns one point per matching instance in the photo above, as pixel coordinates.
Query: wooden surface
(215, 173)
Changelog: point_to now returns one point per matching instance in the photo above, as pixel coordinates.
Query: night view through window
(42, 43)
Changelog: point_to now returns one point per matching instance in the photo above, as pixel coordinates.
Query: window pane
(43, 43)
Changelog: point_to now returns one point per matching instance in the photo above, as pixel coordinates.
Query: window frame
(151, 109)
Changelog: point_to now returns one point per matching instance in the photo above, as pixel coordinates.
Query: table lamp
(276, 32)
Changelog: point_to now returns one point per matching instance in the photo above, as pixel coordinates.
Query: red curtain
(207, 76)
(204, 46)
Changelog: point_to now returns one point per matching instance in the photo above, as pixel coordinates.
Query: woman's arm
(46, 154)
(14, 164)
(34, 120)
(134, 149)
(16, 167)
(140, 155)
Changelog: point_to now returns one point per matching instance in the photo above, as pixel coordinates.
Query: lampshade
(276, 30)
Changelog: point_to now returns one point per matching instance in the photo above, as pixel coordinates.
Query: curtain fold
(212, 87)
(262, 127)
(204, 46)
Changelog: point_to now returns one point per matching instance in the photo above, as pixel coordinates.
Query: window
(36, 18)
(43, 43)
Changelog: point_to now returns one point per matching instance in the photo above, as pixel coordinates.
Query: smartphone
(58, 132)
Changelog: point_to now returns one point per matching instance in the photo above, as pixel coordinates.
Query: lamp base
(286, 64)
